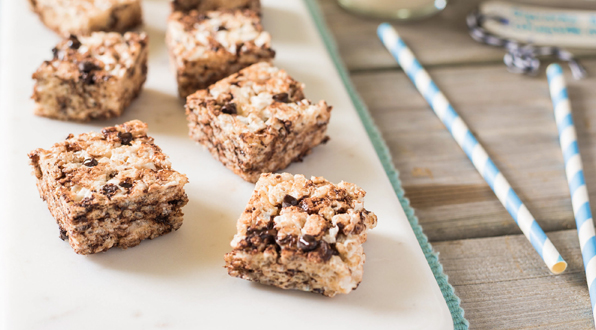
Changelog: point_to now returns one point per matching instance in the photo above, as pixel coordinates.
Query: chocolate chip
(221, 28)
(281, 97)
(307, 243)
(107, 131)
(90, 162)
(327, 251)
(162, 219)
(341, 226)
(63, 234)
(230, 109)
(288, 240)
(125, 138)
(87, 67)
(73, 42)
(289, 201)
(55, 52)
(239, 48)
(125, 184)
(268, 237)
(261, 238)
(109, 190)
(88, 78)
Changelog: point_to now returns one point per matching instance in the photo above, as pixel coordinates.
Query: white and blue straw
(460, 131)
(575, 174)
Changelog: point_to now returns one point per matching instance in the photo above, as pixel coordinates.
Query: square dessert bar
(85, 16)
(208, 5)
(257, 121)
(302, 234)
(207, 47)
(108, 189)
(94, 77)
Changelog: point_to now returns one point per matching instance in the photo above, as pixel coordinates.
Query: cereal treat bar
(85, 16)
(257, 121)
(207, 47)
(302, 234)
(94, 77)
(208, 5)
(108, 189)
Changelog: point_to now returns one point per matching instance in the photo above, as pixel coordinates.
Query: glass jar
(394, 9)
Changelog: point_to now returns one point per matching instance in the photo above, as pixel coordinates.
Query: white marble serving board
(178, 281)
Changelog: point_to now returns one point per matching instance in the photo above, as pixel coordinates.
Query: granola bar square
(303, 234)
(207, 47)
(81, 17)
(257, 121)
(110, 189)
(93, 77)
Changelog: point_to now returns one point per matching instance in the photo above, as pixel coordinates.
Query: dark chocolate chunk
(63, 234)
(288, 240)
(87, 67)
(107, 131)
(109, 190)
(289, 201)
(55, 52)
(88, 78)
(281, 97)
(125, 138)
(326, 251)
(307, 243)
(221, 28)
(163, 219)
(230, 109)
(90, 162)
(125, 184)
(260, 239)
(73, 42)
(268, 237)
(239, 48)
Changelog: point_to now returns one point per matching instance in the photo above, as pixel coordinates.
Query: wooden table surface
(501, 280)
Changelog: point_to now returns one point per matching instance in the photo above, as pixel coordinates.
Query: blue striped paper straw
(461, 133)
(575, 175)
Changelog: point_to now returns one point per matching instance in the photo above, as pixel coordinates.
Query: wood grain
(504, 284)
(441, 40)
(512, 116)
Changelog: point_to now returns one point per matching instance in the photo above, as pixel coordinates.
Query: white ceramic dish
(178, 281)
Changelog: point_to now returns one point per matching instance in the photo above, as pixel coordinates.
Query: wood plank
(512, 116)
(504, 284)
(439, 40)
